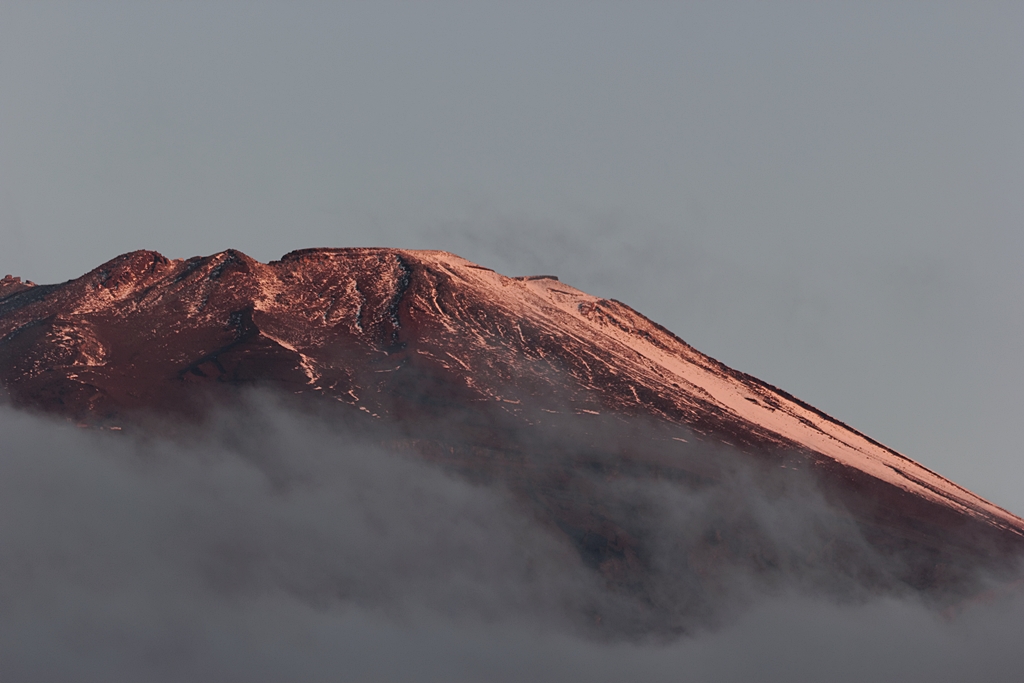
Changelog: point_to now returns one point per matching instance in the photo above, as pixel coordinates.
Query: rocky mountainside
(524, 380)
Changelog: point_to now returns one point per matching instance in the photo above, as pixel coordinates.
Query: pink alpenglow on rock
(525, 381)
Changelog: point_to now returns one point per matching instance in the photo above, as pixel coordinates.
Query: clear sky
(827, 196)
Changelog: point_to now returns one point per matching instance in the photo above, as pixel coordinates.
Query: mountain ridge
(473, 357)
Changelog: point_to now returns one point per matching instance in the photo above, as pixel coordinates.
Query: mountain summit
(524, 380)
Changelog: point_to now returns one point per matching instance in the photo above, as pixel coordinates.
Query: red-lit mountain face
(526, 381)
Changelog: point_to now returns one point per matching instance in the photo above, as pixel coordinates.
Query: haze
(826, 196)
(272, 547)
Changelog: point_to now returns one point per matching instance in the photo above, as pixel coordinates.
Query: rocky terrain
(566, 399)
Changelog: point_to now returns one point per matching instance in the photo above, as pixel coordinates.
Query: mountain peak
(428, 338)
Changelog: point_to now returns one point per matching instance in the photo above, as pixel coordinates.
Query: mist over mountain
(270, 547)
(381, 441)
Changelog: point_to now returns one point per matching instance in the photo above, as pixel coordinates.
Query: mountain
(562, 397)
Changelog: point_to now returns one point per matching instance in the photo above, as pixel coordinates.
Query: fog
(269, 547)
(823, 195)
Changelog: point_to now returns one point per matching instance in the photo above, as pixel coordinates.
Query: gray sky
(826, 196)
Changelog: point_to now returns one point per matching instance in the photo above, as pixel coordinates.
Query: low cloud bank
(274, 549)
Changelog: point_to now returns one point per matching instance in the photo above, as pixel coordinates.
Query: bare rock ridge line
(407, 337)
(666, 376)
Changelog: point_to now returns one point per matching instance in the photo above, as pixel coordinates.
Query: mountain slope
(481, 371)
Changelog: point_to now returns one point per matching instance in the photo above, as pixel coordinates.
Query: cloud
(271, 547)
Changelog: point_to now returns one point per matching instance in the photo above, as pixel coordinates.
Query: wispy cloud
(272, 548)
